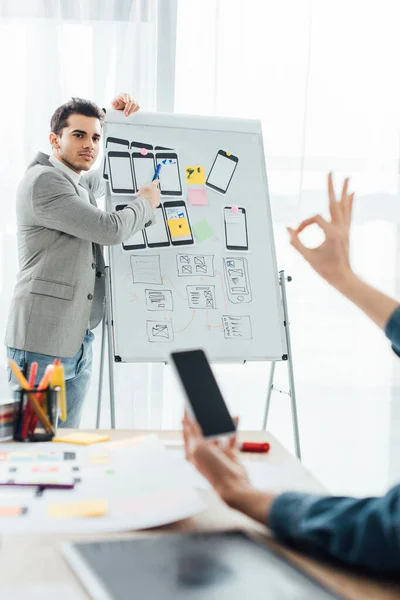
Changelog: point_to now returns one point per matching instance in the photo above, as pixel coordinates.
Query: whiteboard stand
(107, 332)
(271, 388)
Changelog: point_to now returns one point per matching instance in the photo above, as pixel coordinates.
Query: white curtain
(50, 51)
(323, 78)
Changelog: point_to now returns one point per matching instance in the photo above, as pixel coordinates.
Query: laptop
(209, 566)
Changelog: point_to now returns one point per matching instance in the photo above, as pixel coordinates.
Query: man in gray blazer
(59, 294)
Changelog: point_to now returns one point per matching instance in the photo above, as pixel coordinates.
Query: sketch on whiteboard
(237, 327)
(201, 296)
(159, 300)
(190, 265)
(160, 331)
(146, 269)
(237, 280)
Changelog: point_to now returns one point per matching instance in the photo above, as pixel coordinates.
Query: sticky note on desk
(197, 197)
(81, 437)
(202, 230)
(195, 175)
(178, 227)
(70, 510)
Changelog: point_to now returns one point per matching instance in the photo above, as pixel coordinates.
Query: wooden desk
(37, 559)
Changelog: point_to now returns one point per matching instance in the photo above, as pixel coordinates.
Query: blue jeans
(77, 372)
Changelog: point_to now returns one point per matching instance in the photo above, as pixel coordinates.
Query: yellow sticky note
(98, 459)
(88, 508)
(178, 227)
(195, 175)
(81, 437)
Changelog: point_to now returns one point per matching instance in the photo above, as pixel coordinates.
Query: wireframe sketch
(237, 327)
(146, 269)
(237, 280)
(201, 296)
(159, 300)
(160, 331)
(190, 265)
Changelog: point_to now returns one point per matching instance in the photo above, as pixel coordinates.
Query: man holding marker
(59, 295)
(363, 533)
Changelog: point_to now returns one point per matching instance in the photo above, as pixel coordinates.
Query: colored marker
(157, 172)
(260, 447)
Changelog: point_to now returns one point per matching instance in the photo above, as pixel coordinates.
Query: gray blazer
(60, 288)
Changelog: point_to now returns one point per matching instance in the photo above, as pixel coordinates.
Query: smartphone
(235, 229)
(204, 397)
(136, 241)
(170, 178)
(176, 209)
(157, 234)
(222, 171)
(139, 145)
(121, 172)
(143, 167)
(113, 144)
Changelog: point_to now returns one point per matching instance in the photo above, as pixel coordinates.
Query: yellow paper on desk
(82, 437)
(88, 508)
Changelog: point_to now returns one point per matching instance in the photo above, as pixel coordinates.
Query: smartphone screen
(157, 234)
(235, 229)
(222, 171)
(203, 393)
(170, 179)
(136, 241)
(113, 144)
(143, 167)
(176, 209)
(121, 172)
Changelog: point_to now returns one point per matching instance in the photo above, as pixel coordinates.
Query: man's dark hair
(76, 106)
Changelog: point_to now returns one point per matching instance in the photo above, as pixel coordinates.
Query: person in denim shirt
(362, 533)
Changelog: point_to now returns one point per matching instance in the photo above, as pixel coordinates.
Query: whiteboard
(206, 274)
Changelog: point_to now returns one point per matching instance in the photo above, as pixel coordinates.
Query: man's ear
(54, 140)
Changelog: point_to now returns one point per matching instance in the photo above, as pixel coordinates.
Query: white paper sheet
(142, 484)
(41, 591)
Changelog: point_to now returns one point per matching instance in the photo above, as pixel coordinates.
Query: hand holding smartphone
(205, 401)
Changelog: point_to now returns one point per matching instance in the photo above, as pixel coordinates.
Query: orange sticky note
(81, 437)
(88, 508)
(178, 227)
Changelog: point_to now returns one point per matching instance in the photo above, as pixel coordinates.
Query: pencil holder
(35, 414)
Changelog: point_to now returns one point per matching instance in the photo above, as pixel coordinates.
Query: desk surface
(37, 559)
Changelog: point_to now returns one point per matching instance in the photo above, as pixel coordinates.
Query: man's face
(79, 143)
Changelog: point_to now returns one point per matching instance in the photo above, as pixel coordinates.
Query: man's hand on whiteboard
(152, 193)
(330, 259)
(126, 103)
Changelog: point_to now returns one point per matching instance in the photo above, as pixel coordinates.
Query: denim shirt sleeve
(363, 533)
(392, 330)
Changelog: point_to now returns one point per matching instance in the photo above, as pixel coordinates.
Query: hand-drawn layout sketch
(160, 331)
(159, 300)
(237, 327)
(237, 280)
(201, 296)
(146, 269)
(190, 265)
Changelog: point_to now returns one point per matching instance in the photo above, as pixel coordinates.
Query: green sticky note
(202, 230)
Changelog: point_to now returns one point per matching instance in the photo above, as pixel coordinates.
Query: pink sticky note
(197, 197)
(143, 151)
(235, 209)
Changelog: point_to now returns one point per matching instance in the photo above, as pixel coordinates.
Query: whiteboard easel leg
(110, 346)
(292, 391)
(269, 393)
(101, 373)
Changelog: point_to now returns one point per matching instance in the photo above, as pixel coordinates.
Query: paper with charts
(118, 486)
(204, 274)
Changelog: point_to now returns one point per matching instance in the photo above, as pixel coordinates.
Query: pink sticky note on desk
(197, 197)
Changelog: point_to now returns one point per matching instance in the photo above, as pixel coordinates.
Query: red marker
(260, 447)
